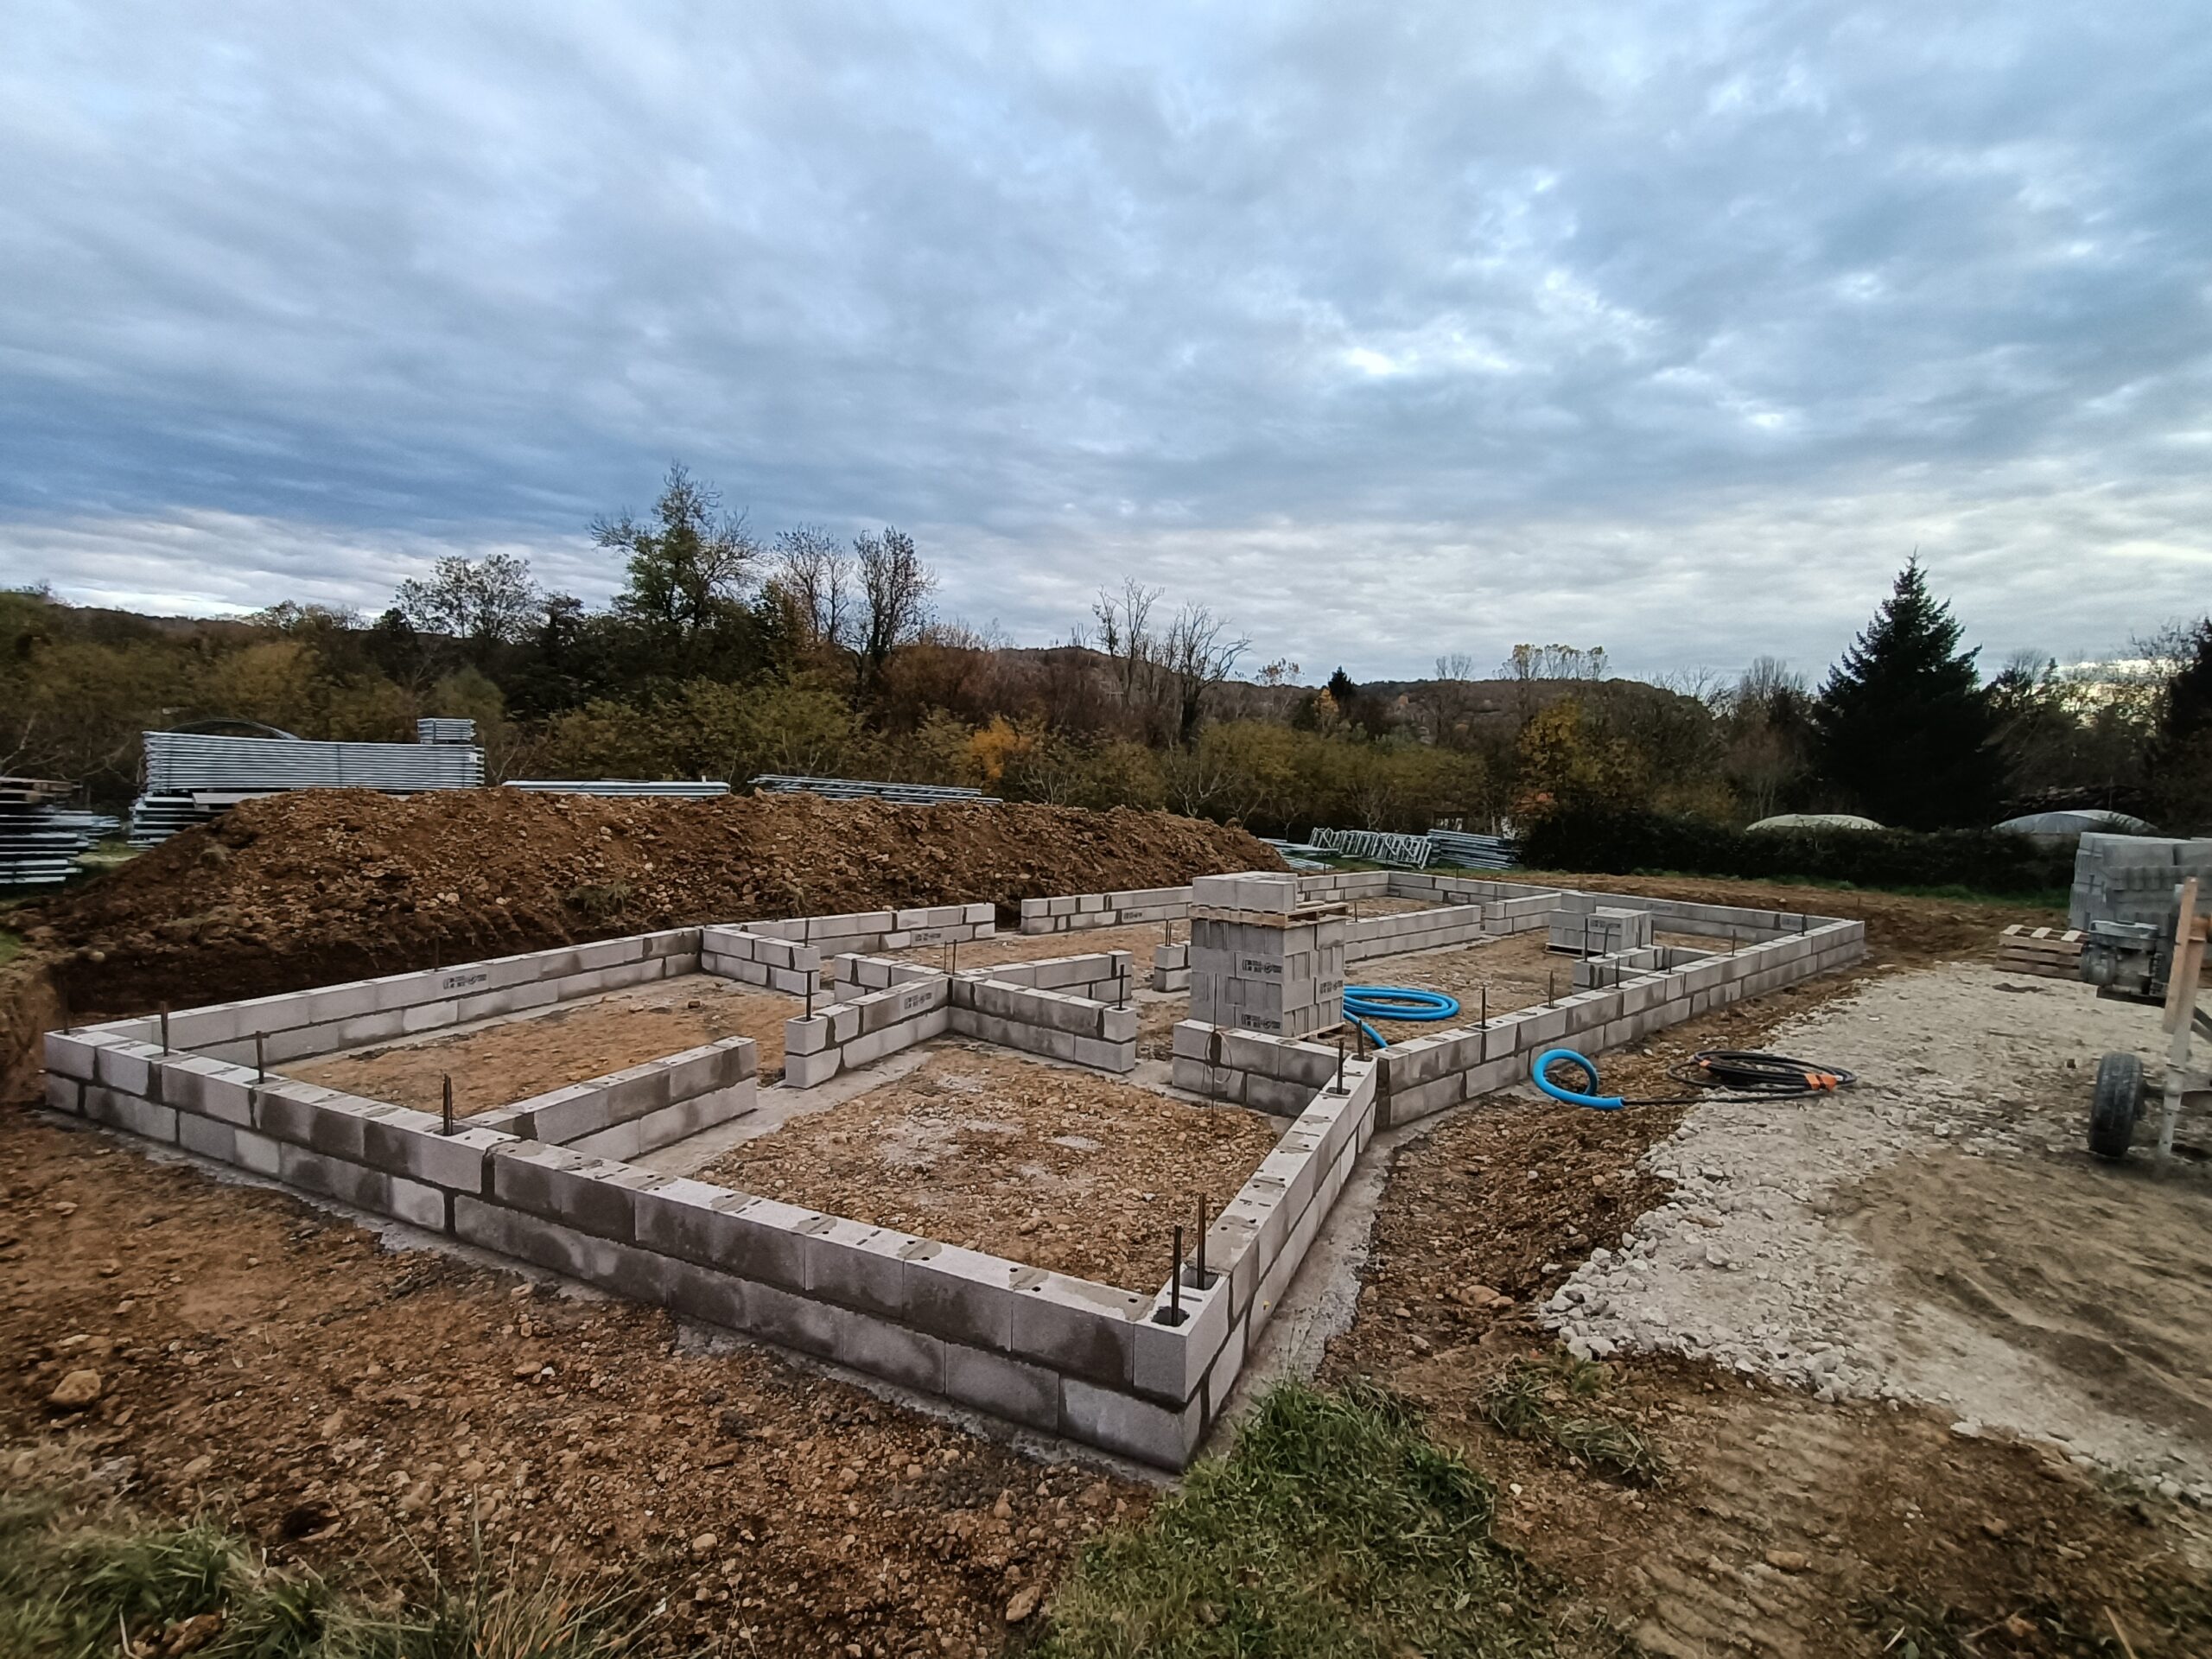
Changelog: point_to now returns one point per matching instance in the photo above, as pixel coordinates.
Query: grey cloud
(1425, 326)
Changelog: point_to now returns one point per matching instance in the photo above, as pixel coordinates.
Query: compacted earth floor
(501, 1062)
(1047, 1165)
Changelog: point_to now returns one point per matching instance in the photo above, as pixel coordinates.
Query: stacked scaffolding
(193, 778)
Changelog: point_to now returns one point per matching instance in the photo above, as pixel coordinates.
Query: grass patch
(1334, 1529)
(76, 1582)
(1534, 1400)
(11, 946)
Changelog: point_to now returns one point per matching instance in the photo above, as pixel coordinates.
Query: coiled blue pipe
(1366, 1002)
(1541, 1076)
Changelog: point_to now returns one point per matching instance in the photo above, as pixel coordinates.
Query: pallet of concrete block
(2048, 952)
(1600, 931)
(2133, 878)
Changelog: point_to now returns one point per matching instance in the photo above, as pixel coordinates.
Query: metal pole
(165, 1027)
(1122, 978)
(1485, 1018)
(448, 1103)
(1551, 984)
(1338, 1087)
(260, 1057)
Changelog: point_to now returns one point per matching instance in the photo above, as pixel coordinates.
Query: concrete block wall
(1170, 966)
(1033, 1347)
(2134, 878)
(870, 931)
(1102, 976)
(1058, 1024)
(854, 975)
(1073, 913)
(864, 1029)
(1343, 884)
(1597, 973)
(299, 1024)
(765, 959)
(1427, 1074)
(1368, 936)
(632, 1112)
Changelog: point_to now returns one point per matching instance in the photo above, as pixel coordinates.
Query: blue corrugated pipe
(1365, 1003)
(1542, 1074)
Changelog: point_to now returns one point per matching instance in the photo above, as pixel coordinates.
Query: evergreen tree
(2181, 750)
(1903, 727)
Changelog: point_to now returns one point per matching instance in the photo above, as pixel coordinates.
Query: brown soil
(497, 1065)
(1781, 1526)
(1047, 1165)
(325, 885)
(279, 1368)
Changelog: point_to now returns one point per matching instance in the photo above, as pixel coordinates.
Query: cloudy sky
(1386, 330)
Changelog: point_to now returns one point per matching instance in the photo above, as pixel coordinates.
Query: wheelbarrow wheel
(2117, 1104)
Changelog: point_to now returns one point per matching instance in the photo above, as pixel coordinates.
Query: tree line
(726, 654)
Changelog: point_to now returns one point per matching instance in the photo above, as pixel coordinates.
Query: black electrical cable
(1757, 1075)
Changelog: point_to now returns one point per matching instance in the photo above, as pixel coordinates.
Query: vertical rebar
(1551, 984)
(1122, 977)
(810, 996)
(1339, 1086)
(956, 956)
(165, 1027)
(1485, 1018)
(260, 1056)
(448, 1103)
(1200, 1283)
(1175, 1283)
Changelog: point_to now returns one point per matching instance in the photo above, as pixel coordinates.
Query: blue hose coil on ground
(1366, 1002)
(1540, 1074)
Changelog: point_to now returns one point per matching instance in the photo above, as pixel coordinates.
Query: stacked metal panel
(192, 777)
(680, 788)
(851, 789)
(2133, 878)
(40, 840)
(1474, 852)
(1376, 846)
(439, 729)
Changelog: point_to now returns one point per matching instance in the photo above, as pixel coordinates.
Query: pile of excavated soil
(330, 885)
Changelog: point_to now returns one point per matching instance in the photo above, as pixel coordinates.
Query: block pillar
(1260, 960)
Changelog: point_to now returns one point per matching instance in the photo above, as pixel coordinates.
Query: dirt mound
(328, 885)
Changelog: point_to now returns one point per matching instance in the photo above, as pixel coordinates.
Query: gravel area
(1937, 1234)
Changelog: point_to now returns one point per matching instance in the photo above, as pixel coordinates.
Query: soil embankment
(324, 886)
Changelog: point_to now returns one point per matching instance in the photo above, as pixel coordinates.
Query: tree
(1903, 728)
(812, 576)
(894, 590)
(2181, 748)
(1197, 653)
(482, 603)
(688, 571)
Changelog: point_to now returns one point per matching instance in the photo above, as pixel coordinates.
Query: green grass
(1334, 1529)
(77, 1582)
(11, 946)
(1534, 1400)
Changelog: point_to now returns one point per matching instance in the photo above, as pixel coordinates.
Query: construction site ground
(495, 1063)
(350, 1401)
(1044, 1164)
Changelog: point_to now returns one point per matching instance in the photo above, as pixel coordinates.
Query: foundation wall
(864, 1029)
(1033, 1347)
(1427, 1074)
(1421, 930)
(756, 958)
(1057, 1024)
(1075, 912)
(639, 1109)
(333, 1017)
(869, 930)
(1600, 931)
(1170, 966)
(1103, 976)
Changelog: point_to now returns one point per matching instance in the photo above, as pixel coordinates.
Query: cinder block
(64, 1094)
(1134, 1428)
(855, 1264)
(1007, 1389)
(622, 1268)
(962, 1295)
(1074, 1326)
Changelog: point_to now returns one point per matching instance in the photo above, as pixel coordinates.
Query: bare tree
(894, 590)
(1196, 654)
(815, 577)
(1125, 636)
